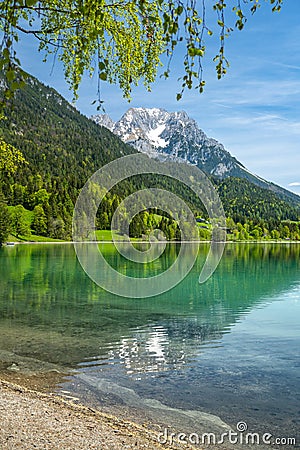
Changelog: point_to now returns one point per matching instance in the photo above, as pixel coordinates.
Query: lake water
(229, 347)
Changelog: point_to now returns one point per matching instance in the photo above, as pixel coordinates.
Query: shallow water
(229, 347)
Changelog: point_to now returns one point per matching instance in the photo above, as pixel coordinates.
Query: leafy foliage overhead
(122, 40)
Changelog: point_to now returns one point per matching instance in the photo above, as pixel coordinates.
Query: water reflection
(51, 309)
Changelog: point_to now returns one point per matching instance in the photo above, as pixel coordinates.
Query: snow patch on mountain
(219, 170)
(154, 136)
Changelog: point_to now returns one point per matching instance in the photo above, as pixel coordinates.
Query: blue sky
(254, 111)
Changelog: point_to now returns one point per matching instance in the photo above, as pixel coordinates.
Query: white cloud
(295, 183)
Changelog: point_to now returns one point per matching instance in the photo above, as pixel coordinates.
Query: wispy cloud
(263, 93)
(285, 66)
(295, 183)
(264, 123)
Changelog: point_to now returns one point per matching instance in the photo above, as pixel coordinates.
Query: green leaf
(179, 10)
(103, 76)
(31, 2)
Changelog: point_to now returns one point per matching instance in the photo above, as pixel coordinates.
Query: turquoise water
(229, 347)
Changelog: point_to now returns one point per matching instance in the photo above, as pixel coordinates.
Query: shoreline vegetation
(105, 237)
(136, 241)
(19, 224)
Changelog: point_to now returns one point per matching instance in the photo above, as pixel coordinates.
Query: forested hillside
(244, 200)
(63, 148)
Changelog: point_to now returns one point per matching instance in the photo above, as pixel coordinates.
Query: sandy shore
(35, 420)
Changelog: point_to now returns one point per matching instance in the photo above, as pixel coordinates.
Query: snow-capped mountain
(174, 135)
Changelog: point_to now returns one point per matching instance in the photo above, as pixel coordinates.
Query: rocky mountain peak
(170, 135)
(104, 120)
(177, 137)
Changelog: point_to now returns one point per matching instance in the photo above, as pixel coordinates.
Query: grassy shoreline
(105, 236)
(136, 241)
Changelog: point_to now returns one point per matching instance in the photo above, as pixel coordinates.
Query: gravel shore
(35, 420)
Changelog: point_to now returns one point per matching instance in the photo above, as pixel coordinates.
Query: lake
(228, 348)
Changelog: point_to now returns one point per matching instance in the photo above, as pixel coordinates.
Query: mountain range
(175, 136)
